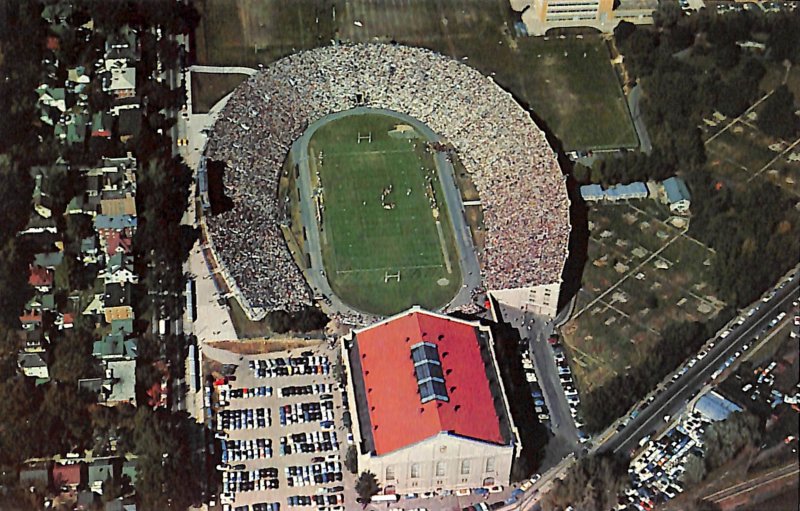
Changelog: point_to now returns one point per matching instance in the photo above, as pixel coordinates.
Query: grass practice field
(383, 250)
(569, 83)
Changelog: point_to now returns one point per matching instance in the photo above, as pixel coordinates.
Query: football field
(386, 237)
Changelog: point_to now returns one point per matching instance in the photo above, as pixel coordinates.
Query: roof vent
(369, 390)
(421, 409)
(366, 372)
(363, 355)
(448, 371)
(445, 353)
(453, 389)
(441, 336)
(408, 339)
(457, 407)
(375, 427)
(372, 408)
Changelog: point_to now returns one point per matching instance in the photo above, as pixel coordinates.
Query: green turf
(362, 243)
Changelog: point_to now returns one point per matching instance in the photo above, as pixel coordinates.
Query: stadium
(369, 178)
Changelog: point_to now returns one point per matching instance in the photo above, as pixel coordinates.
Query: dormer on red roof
(424, 374)
(40, 277)
(69, 475)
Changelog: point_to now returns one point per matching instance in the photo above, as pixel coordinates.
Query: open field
(569, 82)
(208, 88)
(642, 274)
(377, 218)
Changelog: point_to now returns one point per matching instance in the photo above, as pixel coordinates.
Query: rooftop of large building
(419, 374)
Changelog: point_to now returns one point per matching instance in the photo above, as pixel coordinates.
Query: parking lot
(277, 422)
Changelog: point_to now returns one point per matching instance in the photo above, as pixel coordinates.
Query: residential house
(123, 44)
(89, 250)
(33, 365)
(636, 190)
(48, 260)
(36, 476)
(677, 195)
(118, 206)
(110, 346)
(40, 278)
(65, 321)
(117, 243)
(31, 320)
(102, 123)
(70, 475)
(99, 472)
(105, 225)
(117, 302)
(119, 78)
(122, 374)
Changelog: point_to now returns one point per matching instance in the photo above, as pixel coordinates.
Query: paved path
(468, 260)
(634, 99)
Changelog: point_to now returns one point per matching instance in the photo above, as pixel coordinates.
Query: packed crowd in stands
(521, 187)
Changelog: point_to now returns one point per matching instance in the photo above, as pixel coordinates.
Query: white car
(703, 354)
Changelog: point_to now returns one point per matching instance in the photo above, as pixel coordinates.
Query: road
(634, 98)
(537, 329)
(677, 395)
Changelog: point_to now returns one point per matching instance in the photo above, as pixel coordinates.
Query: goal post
(391, 276)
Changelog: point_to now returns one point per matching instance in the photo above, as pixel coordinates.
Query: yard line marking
(416, 267)
(386, 151)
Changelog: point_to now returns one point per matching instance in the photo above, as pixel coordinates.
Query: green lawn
(362, 243)
(577, 97)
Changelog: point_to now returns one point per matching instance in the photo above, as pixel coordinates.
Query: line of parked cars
(240, 450)
(568, 385)
(305, 390)
(261, 506)
(252, 480)
(315, 441)
(313, 474)
(245, 418)
(314, 411)
(246, 393)
(304, 364)
(317, 500)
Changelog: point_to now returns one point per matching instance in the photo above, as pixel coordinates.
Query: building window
(390, 473)
(440, 468)
(415, 471)
(465, 467)
(490, 465)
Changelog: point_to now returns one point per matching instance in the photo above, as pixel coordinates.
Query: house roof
(124, 374)
(40, 276)
(593, 191)
(676, 190)
(116, 222)
(115, 242)
(393, 389)
(122, 206)
(122, 326)
(48, 259)
(29, 476)
(99, 471)
(111, 345)
(67, 474)
(30, 360)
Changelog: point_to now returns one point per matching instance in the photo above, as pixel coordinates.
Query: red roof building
(40, 277)
(419, 378)
(67, 475)
(117, 242)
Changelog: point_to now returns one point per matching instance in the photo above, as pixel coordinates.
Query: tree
(72, 357)
(777, 117)
(166, 478)
(623, 31)
(367, 486)
(592, 483)
(725, 439)
(351, 459)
